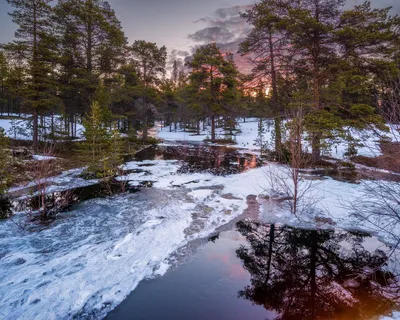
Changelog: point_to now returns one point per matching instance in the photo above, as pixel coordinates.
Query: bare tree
(379, 203)
(42, 169)
(289, 182)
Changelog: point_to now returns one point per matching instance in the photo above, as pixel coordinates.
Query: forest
(115, 145)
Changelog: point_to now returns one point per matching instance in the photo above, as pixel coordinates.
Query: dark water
(202, 158)
(260, 271)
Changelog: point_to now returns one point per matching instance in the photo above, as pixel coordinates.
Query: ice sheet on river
(91, 258)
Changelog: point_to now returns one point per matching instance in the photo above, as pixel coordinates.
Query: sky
(180, 25)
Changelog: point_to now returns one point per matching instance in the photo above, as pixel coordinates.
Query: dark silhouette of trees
(315, 274)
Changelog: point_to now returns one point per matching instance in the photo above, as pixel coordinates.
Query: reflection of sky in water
(208, 286)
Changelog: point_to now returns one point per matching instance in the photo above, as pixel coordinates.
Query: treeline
(332, 68)
(329, 68)
(71, 54)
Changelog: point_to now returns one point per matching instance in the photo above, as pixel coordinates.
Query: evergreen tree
(175, 73)
(367, 41)
(4, 162)
(206, 81)
(92, 48)
(268, 47)
(150, 62)
(103, 145)
(97, 140)
(115, 158)
(231, 92)
(310, 27)
(4, 74)
(35, 46)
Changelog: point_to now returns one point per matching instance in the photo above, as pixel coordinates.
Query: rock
(325, 220)
(24, 153)
(229, 196)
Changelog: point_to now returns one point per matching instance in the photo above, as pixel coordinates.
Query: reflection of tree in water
(314, 274)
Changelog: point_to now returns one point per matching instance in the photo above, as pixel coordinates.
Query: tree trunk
(213, 129)
(275, 102)
(313, 267)
(35, 129)
(270, 249)
(316, 148)
(52, 124)
(35, 135)
(144, 134)
(89, 48)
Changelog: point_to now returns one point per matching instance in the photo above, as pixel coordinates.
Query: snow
(95, 255)
(91, 258)
(367, 140)
(394, 316)
(66, 180)
(19, 128)
(39, 157)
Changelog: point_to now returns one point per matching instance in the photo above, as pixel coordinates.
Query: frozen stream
(90, 258)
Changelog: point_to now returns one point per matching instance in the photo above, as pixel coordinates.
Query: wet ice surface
(90, 258)
(262, 271)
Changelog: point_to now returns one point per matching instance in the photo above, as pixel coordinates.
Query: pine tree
(150, 62)
(206, 79)
(367, 41)
(310, 27)
(97, 139)
(4, 74)
(115, 158)
(231, 92)
(35, 46)
(92, 48)
(268, 46)
(175, 73)
(4, 162)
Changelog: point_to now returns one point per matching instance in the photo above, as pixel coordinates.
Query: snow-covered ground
(20, 128)
(94, 256)
(66, 180)
(367, 140)
(91, 258)
(39, 157)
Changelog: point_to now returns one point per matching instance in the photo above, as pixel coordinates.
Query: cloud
(212, 34)
(179, 56)
(226, 21)
(395, 4)
(227, 29)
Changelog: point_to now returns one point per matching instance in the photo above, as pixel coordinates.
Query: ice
(39, 157)
(91, 258)
(87, 261)
(394, 316)
(65, 181)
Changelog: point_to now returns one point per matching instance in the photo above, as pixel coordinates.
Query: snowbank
(20, 128)
(367, 140)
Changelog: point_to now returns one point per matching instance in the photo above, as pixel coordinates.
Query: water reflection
(5, 207)
(315, 274)
(214, 159)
